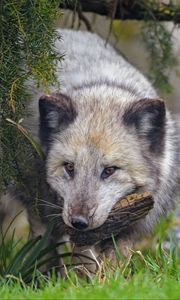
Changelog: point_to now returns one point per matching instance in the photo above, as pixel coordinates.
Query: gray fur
(102, 87)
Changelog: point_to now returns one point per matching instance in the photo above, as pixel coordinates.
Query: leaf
(15, 264)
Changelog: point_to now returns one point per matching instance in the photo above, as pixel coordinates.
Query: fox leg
(90, 258)
(110, 252)
(85, 259)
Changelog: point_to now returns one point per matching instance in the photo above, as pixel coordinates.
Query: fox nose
(79, 223)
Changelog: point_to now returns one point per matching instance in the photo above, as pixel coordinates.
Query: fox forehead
(93, 152)
(106, 142)
(98, 124)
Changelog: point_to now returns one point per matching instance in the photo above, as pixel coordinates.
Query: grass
(150, 274)
(143, 285)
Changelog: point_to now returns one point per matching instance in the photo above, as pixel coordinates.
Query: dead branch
(125, 213)
(128, 9)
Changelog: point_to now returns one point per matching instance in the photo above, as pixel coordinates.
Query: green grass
(150, 274)
(142, 285)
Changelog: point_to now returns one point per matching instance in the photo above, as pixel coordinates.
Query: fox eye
(69, 168)
(108, 172)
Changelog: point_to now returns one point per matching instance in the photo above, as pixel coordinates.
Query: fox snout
(79, 216)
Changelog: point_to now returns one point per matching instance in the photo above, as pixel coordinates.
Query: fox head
(100, 150)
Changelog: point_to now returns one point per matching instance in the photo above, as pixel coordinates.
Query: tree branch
(128, 9)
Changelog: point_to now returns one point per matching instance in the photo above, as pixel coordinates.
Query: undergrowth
(148, 273)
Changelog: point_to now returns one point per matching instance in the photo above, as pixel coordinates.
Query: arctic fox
(106, 134)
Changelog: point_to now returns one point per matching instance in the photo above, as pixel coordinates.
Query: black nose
(79, 222)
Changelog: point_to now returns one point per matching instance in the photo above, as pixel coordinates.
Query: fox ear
(148, 116)
(56, 113)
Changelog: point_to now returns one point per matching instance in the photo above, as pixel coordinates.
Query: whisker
(54, 215)
(50, 204)
(45, 201)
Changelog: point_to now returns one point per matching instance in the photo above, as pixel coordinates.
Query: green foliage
(27, 37)
(159, 41)
(150, 273)
(159, 44)
(144, 276)
(142, 286)
(157, 38)
(22, 262)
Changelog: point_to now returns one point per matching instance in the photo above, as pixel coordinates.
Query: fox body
(105, 135)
